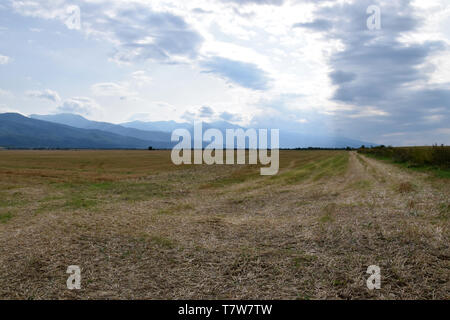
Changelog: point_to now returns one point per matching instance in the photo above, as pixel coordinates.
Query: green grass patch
(236, 177)
(80, 203)
(361, 185)
(162, 242)
(444, 211)
(435, 160)
(328, 213)
(303, 260)
(5, 217)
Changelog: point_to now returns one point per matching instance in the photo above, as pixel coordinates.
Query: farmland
(142, 228)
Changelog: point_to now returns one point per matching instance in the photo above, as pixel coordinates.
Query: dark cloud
(206, 112)
(227, 116)
(317, 25)
(144, 34)
(247, 75)
(339, 77)
(383, 77)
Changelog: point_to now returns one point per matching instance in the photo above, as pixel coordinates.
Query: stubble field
(142, 228)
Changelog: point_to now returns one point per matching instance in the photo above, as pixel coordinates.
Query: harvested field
(142, 228)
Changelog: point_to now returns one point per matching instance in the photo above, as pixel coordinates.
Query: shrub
(441, 156)
(414, 156)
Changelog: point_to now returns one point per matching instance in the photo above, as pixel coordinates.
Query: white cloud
(45, 94)
(368, 112)
(6, 109)
(5, 93)
(81, 105)
(141, 78)
(4, 59)
(112, 89)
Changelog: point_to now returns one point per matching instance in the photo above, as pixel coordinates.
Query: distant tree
(363, 147)
(150, 148)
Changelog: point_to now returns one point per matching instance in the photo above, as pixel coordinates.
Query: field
(142, 228)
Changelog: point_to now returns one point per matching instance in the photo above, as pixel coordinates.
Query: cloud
(380, 74)
(317, 25)
(143, 34)
(201, 11)
(258, 2)
(247, 75)
(137, 32)
(80, 105)
(339, 77)
(206, 112)
(141, 78)
(227, 116)
(46, 95)
(5, 93)
(6, 109)
(112, 89)
(189, 116)
(4, 59)
(49, 9)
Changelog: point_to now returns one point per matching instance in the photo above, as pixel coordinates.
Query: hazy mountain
(73, 131)
(288, 139)
(170, 126)
(21, 132)
(296, 140)
(164, 126)
(78, 121)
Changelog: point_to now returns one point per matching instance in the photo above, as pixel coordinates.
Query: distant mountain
(73, 131)
(83, 123)
(288, 139)
(170, 126)
(299, 140)
(164, 126)
(17, 131)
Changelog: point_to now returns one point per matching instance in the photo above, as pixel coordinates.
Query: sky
(317, 67)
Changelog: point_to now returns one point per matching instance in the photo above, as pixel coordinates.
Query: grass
(328, 215)
(162, 242)
(405, 187)
(435, 159)
(5, 217)
(143, 228)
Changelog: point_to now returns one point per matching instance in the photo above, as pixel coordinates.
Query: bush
(441, 156)
(414, 156)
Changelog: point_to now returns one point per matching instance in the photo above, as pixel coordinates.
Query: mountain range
(75, 131)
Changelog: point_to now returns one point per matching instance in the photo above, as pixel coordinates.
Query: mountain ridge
(18, 131)
(78, 132)
(78, 121)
